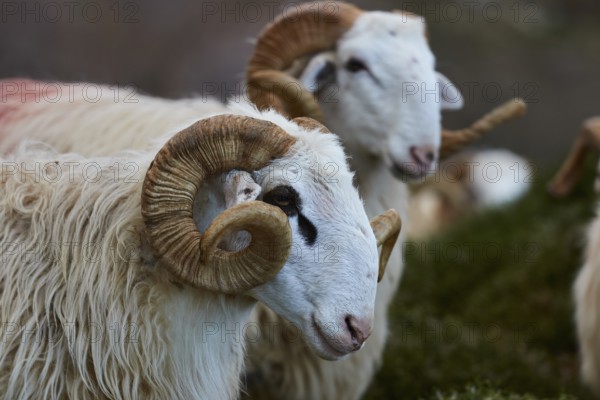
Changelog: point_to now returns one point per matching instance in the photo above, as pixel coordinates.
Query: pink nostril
(423, 155)
(359, 330)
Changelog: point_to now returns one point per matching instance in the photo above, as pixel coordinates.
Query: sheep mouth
(326, 348)
(408, 172)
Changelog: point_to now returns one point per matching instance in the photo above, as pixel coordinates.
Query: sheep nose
(359, 329)
(423, 156)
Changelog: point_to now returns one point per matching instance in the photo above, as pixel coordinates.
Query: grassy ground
(490, 302)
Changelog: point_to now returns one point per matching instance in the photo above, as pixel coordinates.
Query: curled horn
(453, 141)
(386, 228)
(311, 124)
(570, 172)
(307, 29)
(209, 147)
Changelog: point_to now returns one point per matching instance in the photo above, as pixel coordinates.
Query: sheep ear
(450, 97)
(239, 187)
(319, 73)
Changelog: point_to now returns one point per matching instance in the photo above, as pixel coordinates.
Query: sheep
(100, 275)
(471, 182)
(318, 374)
(365, 75)
(586, 289)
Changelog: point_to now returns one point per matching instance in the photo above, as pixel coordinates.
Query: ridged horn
(453, 141)
(206, 148)
(570, 172)
(307, 29)
(386, 228)
(311, 124)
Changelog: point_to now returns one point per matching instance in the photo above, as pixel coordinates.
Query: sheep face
(379, 89)
(327, 288)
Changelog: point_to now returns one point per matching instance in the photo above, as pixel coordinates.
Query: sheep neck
(380, 191)
(208, 333)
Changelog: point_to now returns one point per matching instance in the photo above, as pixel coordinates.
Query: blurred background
(547, 52)
(467, 323)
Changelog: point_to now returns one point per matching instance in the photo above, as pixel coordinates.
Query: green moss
(479, 392)
(491, 301)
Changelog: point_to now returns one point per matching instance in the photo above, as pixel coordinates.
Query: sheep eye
(355, 65)
(283, 197)
(281, 200)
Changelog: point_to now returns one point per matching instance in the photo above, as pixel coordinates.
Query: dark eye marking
(307, 229)
(355, 65)
(286, 198)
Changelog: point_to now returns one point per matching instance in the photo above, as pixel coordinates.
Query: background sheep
(587, 284)
(474, 181)
(146, 272)
(369, 76)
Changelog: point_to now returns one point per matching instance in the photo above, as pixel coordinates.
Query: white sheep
(471, 182)
(370, 77)
(109, 290)
(587, 284)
